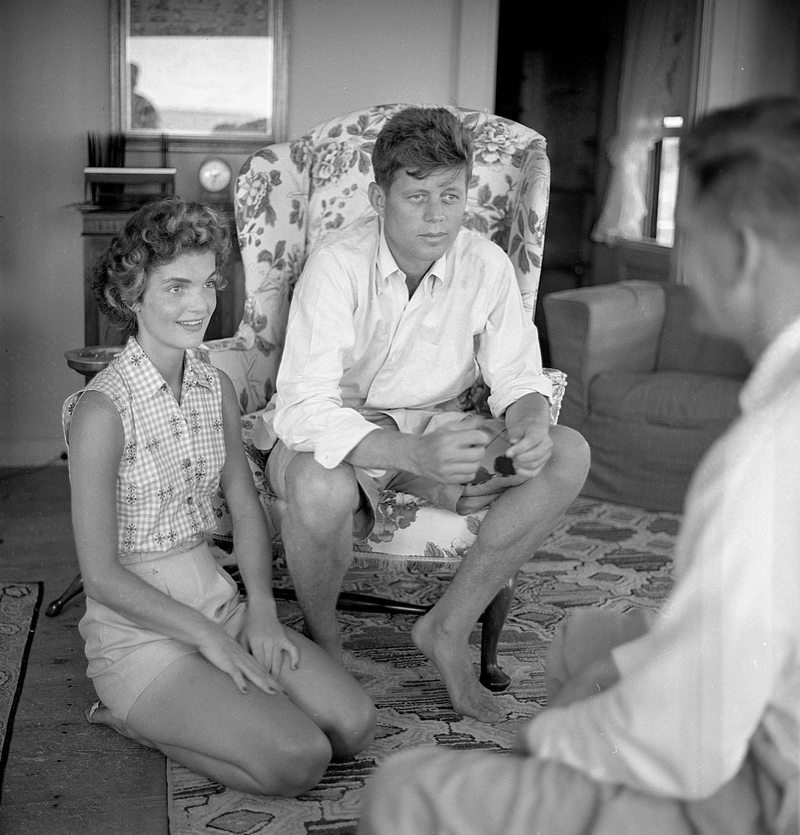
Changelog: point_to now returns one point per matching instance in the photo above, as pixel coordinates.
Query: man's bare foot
(450, 655)
(99, 714)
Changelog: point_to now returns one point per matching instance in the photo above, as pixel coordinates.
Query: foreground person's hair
(744, 164)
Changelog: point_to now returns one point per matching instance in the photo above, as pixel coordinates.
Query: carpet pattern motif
(602, 555)
(19, 609)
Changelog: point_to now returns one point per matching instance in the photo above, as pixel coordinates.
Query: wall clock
(214, 175)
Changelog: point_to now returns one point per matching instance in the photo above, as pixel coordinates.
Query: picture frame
(202, 72)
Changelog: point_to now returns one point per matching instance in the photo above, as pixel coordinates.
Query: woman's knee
(294, 764)
(354, 728)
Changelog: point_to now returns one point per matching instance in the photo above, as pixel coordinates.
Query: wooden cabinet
(99, 227)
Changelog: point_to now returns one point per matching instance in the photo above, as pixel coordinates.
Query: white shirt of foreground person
(357, 346)
(723, 657)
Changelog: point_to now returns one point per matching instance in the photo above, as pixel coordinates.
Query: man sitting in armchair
(392, 320)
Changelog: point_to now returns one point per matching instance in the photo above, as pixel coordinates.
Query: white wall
(349, 54)
(748, 48)
(54, 74)
(53, 89)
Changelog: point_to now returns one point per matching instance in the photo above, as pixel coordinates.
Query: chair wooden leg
(350, 601)
(494, 617)
(72, 590)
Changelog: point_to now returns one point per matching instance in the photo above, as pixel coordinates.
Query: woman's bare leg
(255, 742)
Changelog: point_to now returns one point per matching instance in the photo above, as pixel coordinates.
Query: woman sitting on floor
(179, 661)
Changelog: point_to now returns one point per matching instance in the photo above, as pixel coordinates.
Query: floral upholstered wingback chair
(288, 197)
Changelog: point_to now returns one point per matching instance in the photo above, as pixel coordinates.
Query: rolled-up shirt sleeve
(310, 415)
(508, 350)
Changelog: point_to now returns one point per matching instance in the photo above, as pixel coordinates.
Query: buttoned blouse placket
(180, 467)
(192, 463)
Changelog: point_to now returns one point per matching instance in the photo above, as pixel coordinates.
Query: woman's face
(178, 301)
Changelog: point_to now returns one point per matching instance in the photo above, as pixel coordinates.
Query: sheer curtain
(655, 35)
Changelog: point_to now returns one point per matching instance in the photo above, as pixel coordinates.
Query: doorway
(558, 72)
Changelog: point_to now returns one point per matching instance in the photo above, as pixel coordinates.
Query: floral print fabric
(291, 195)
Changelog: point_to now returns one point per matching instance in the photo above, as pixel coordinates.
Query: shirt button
(189, 500)
(187, 462)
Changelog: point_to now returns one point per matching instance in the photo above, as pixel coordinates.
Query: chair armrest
(603, 328)
(250, 368)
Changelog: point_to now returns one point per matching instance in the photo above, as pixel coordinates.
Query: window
(656, 81)
(662, 187)
(198, 70)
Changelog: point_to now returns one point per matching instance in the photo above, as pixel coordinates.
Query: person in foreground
(391, 321)
(692, 726)
(180, 662)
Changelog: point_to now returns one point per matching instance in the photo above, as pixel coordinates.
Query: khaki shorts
(438, 494)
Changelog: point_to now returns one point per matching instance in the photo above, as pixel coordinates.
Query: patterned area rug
(603, 555)
(19, 608)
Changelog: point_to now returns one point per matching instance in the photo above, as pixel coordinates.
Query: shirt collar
(775, 370)
(386, 266)
(149, 378)
(195, 372)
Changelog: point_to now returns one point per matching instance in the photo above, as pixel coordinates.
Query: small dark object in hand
(482, 475)
(503, 465)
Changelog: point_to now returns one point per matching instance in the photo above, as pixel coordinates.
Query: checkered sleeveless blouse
(173, 455)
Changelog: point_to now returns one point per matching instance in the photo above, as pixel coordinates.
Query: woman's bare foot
(450, 655)
(99, 714)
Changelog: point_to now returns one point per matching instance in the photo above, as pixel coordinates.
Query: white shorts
(125, 658)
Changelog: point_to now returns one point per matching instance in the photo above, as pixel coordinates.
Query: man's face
(421, 218)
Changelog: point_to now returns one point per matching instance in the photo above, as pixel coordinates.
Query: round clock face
(214, 175)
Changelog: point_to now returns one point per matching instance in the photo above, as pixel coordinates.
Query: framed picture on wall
(198, 70)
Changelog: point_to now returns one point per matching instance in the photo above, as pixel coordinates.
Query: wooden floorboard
(64, 775)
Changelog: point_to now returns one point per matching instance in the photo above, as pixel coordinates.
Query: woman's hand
(228, 655)
(266, 639)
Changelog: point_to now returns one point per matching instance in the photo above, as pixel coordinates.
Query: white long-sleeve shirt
(723, 657)
(357, 346)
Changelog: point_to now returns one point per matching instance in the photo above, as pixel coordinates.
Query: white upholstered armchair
(289, 196)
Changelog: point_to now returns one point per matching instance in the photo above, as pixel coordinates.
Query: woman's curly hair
(157, 234)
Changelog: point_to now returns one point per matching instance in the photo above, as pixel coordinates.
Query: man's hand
(451, 455)
(595, 679)
(528, 433)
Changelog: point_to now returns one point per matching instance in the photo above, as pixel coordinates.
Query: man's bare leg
(317, 531)
(516, 525)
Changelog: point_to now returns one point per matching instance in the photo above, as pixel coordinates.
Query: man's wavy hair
(744, 163)
(419, 141)
(157, 234)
